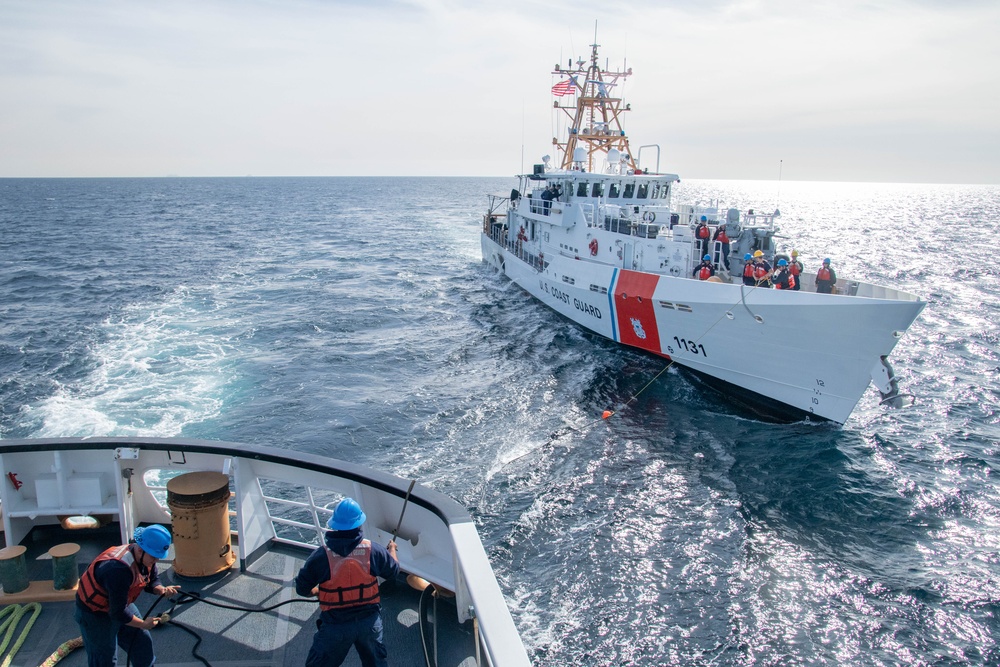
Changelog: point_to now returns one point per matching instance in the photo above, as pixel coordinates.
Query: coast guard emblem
(637, 327)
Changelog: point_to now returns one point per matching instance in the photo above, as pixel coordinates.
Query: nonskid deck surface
(279, 637)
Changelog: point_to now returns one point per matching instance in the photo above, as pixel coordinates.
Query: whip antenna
(777, 201)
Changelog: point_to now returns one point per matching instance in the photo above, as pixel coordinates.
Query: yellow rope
(14, 612)
(610, 413)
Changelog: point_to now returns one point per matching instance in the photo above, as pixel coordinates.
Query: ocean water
(352, 317)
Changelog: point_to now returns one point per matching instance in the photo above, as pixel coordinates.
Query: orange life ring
(593, 246)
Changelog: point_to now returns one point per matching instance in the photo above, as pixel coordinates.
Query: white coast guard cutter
(610, 253)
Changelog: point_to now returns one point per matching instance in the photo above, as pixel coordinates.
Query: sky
(825, 90)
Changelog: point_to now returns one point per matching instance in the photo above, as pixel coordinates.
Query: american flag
(564, 87)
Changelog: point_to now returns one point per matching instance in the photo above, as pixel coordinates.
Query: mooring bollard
(13, 570)
(65, 573)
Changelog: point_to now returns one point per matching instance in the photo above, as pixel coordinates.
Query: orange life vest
(702, 231)
(823, 274)
(748, 270)
(791, 283)
(94, 596)
(759, 271)
(721, 237)
(351, 583)
(795, 268)
(705, 273)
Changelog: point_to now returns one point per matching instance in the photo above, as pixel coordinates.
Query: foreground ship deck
(279, 499)
(247, 639)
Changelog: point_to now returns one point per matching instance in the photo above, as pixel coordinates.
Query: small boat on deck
(597, 239)
(447, 609)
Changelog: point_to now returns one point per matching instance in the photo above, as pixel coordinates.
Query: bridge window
(665, 192)
(643, 190)
(654, 191)
(614, 190)
(629, 190)
(597, 190)
(581, 189)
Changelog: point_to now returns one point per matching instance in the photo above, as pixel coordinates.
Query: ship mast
(595, 119)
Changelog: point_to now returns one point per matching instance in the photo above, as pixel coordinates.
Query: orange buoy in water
(607, 413)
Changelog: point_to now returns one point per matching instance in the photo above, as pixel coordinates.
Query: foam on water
(155, 369)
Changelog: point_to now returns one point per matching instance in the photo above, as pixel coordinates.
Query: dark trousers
(333, 640)
(100, 634)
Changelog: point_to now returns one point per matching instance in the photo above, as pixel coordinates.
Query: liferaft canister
(199, 504)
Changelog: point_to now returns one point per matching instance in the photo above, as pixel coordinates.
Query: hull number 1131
(690, 346)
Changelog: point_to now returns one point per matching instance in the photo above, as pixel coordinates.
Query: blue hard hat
(707, 258)
(154, 540)
(826, 261)
(782, 262)
(346, 516)
(703, 218)
(747, 257)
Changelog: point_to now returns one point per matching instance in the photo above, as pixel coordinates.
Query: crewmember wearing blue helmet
(705, 270)
(783, 278)
(343, 575)
(826, 278)
(105, 599)
(703, 234)
(748, 278)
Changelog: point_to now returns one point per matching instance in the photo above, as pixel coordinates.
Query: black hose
(185, 597)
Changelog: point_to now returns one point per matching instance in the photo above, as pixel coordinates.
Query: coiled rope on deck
(13, 614)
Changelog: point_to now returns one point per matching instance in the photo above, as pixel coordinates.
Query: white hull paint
(790, 347)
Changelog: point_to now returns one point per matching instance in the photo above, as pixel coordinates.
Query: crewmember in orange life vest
(702, 233)
(783, 278)
(521, 238)
(705, 270)
(105, 609)
(795, 267)
(761, 270)
(723, 238)
(343, 574)
(748, 278)
(826, 278)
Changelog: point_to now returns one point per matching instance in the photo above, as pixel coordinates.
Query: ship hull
(806, 353)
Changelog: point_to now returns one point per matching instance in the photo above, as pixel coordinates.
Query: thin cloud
(442, 88)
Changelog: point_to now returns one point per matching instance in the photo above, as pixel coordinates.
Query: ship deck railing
(280, 499)
(498, 234)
